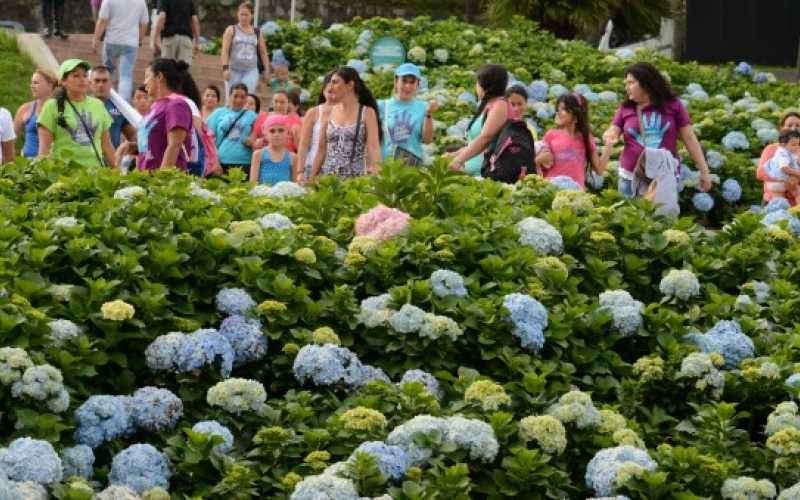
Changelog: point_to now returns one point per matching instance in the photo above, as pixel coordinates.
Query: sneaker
(63, 35)
(47, 33)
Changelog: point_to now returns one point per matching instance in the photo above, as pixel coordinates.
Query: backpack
(513, 156)
(206, 138)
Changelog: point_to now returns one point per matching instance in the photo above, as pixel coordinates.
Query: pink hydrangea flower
(382, 223)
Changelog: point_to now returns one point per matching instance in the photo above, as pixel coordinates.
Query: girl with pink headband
(273, 163)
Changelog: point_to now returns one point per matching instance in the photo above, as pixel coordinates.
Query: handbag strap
(387, 136)
(355, 137)
(225, 135)
(88, 132)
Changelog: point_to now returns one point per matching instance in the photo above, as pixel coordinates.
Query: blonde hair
(48, 76)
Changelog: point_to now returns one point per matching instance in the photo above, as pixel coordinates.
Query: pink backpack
(211, 163)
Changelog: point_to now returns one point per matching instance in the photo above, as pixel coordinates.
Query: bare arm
(142, 33)
(196, 33)
(108, 150)
(612, 135)
(305, 142)
(600, 161)
(22, 115)
(696, 153)
(255, 166)
(225, 53)
(99, 29)
(427, 127)
(45, 142)
(175, 139)
(373, 143)
(322, 147)
(495, 121)
(262, 48)
(544, 159)
(129, 132)
(9, 154)
(159, 27)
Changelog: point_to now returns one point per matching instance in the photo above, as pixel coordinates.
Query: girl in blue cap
(407, 121)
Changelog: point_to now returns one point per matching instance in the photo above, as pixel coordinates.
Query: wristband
(428, 115)
(225, 67)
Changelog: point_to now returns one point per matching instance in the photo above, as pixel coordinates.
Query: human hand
(226, 75)
(705, 181)
(433, 106)
(95, 45)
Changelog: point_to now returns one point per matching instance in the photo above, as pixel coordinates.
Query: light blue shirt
(404, 126)
(231, 149)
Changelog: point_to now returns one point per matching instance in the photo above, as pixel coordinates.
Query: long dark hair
(652, 81)
(257, 100)
(579, 107)
(188, 86)
(321, 99)
(364, 95)
(172, 75)
(493, 79)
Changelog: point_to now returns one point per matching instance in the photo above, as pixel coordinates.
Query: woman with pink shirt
(570, 147)
(790, 120)
(493, 113)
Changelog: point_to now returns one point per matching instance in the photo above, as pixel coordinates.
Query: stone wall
(215, 15)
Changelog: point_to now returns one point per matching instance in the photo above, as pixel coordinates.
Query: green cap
(70, 64)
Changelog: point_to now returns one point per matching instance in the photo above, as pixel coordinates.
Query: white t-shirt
(124, 18)
(6, 129)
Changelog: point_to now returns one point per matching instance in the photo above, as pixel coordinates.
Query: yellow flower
(290, 480)
(490, 395)
(444, 240)
(156, 493)
(649, 369)
(777, 234)
(550, 263)
(602, 236)
(444, 254)
(577, 201)
(272, 435)
(611, 422)
(270, 306)
(306, 256)
(627, 437)
(318, 459)
(676, 236)
(325, 335)
(246, 227)
(363, 419)
(290, 349)
(717, 359)
(362, 244)
(117, 310)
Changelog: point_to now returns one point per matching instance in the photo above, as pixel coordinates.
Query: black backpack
(513, 156)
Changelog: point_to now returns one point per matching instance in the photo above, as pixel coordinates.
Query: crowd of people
(348, 132)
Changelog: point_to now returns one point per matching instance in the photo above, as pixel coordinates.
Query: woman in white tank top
(309, 138)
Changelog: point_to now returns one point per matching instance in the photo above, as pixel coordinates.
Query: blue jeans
(249, 78)
(625, 187)
(126, 55)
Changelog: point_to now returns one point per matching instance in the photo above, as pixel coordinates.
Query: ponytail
(188, 87)
(493, 79)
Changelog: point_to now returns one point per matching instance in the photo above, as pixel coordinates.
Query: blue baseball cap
(408, 69)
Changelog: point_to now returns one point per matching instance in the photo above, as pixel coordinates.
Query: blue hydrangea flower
(43, 383)
(767, 135)
(467, 97)
(557, 90)
(371, 373)
(234, 301)
(275, 221)
(375, 311)
(735, 140)
(28, 459)
(78, 461)
(703, 202)
(793, 381)
(601, 473)
(682, 284)
(63, 330)
(731, 190)
(392, 460)
(608, 96)
(761, 290)
(140, 467)
(214, 428)
(773, 218)
(21, 490)
(625, 53)
(544, 110)
(162, 353)
(530, 319)
(472, 435)
(270, 28)
(404, 436)
(323, 487)
(776, 205)
(538, 90)
(625, 311)
(204, 348)
(540, 235)
(565, 183)
(155, 409)
(428, 380)
(327, 365)
(744, 69)
(762, 77)
(408, 319)
(727, 339)
(715, 159)
(446, 283)
(246, 338)
(358, 65)
(103, 418)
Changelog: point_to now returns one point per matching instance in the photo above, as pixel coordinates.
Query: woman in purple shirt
(652, 117)
(164, 135)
